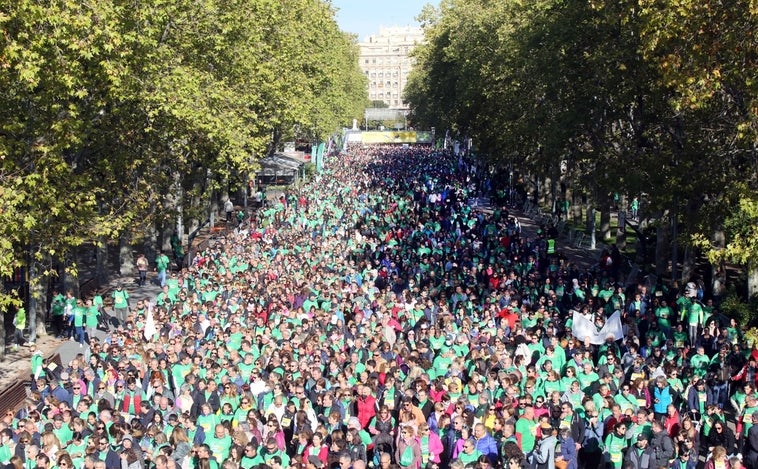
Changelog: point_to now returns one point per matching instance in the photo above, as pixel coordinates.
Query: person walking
(78, 322)
(229, 209)
(635, 206)
(91, 319)
(19, 324)
(120, 303)
(142, 265)
(58, 307)
(641, 455)
(161, 266)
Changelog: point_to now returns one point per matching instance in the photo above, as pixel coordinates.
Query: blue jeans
(79, 334)
(162, 278)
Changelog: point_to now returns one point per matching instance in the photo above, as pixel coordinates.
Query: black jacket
(641, 459)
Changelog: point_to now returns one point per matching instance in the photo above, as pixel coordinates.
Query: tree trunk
(674, 242)
(150, 246)
(752, 279)
(576, 206)
(178, 192)
(591, 227)
(38, 284)
(70, 275)
(717, 286)
(621, 231)
(2, 342)
(101, 261)
(688, 264)
(125, 255)
(605, 223)
(661, 246)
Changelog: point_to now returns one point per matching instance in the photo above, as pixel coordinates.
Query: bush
(746, 313)
(310, 170)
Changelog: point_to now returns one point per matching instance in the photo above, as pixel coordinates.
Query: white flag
(583, 328)
(150, 328)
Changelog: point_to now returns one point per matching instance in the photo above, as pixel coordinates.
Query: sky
(364, 17)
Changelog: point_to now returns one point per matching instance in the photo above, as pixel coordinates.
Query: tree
(118, 118)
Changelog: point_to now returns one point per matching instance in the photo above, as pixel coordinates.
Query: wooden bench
(13, 397)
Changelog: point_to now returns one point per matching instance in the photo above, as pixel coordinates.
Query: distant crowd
(377, 318)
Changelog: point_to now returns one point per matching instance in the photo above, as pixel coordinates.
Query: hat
(64, 376)
(546, 425)
(642, 437)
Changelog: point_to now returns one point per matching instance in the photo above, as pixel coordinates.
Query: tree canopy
(652, 97)
(106, 103)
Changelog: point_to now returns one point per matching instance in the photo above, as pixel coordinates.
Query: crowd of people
(374, 317)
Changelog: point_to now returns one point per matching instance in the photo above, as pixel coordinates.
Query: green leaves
(103, 102)
(653, 97)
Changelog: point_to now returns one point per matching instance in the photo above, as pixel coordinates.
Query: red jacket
(366, 409)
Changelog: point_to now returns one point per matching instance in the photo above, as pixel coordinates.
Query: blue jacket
(488, 447)
(569, 453)
(661, 399)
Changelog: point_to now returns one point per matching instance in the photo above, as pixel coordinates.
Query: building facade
(386, 62)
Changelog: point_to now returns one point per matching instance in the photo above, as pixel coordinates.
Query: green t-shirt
(695, 315)
(219, 446)
(663, 313)
(528, 431)
(91, 315)
(120, 299)
(161, 263)
(79, 316)
(59, 304)
(615, 446)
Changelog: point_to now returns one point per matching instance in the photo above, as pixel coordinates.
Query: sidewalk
(582, 257)
(17, 364)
